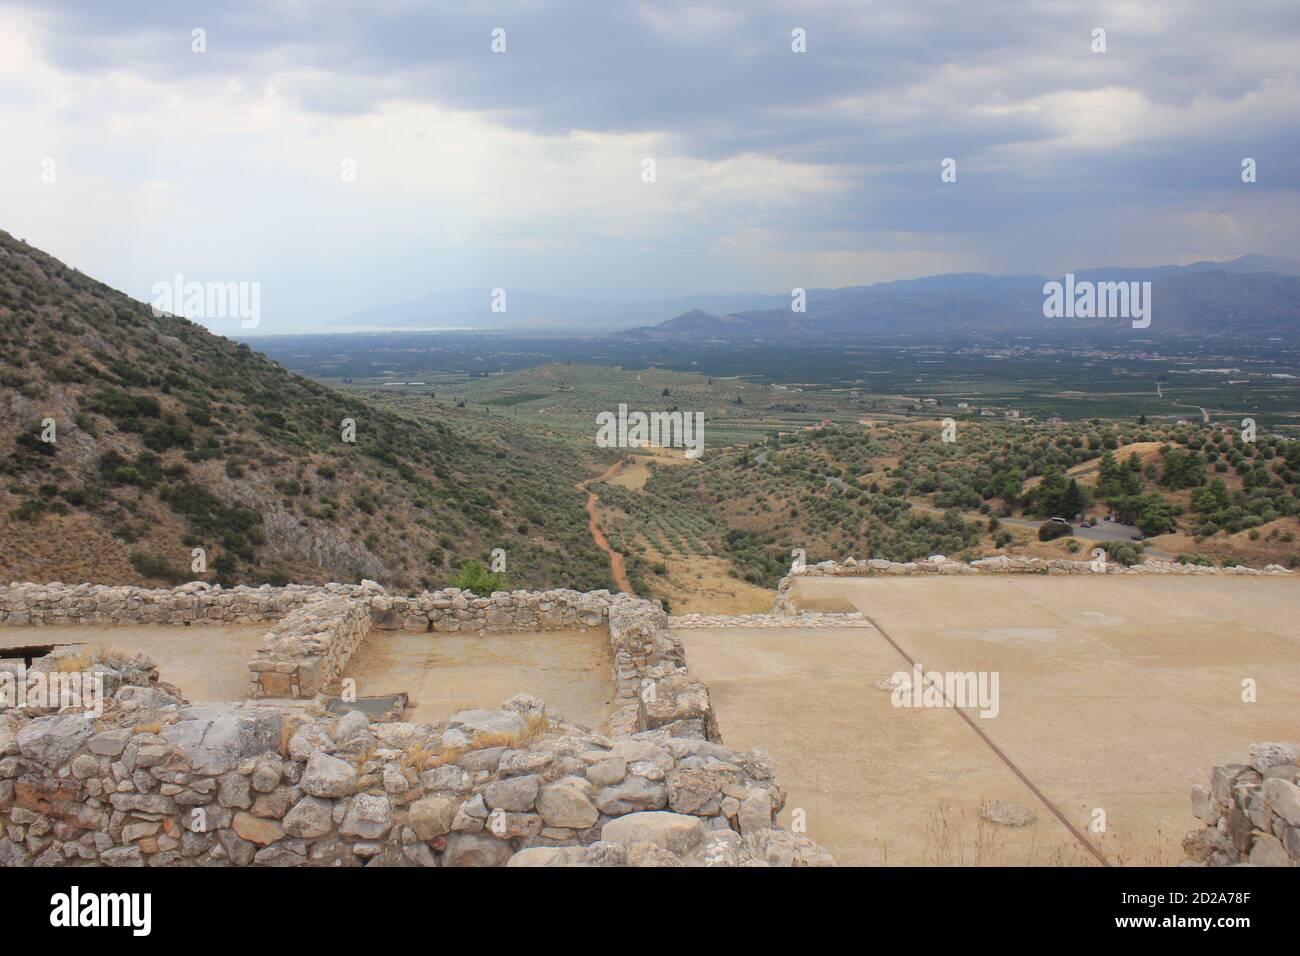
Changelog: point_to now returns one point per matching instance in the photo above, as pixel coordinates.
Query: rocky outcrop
(1251, 811)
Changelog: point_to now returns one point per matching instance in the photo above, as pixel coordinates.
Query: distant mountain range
(1250, 295)
(537, 311)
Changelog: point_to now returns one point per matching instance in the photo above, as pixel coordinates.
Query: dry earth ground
(207, 662)
(443, 673)
(1116, 694)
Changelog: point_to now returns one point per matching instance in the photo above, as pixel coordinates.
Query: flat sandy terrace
(1116, 694)
(207, 662)
(572, 670)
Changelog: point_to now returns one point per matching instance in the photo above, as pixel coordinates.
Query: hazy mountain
(1250, 295)
(538, 312)
(964, 299)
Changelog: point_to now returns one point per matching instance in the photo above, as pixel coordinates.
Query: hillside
(897, 491)
(169, 438)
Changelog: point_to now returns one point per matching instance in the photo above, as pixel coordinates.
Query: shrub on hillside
(1051, 530)
(154, 566)
(473, 576)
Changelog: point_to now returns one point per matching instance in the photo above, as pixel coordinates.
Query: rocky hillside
(168, 438)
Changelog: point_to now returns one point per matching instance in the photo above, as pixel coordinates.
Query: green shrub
(473, 576)
(1051, 530)
(154, 566)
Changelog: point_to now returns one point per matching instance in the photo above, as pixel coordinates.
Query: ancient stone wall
(154, 781)
(309, 648)
(26, 604)
(997, 564)
(1251, 811)
(317, 628)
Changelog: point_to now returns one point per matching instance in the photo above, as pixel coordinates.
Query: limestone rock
(349, 725)
(217, 737)
(369, 817)
(432, 816)
(1284, 798)
(309, 818)
(109, 743)
(674, 832)
(473, 849)
(257, 829)
(327, 776)
(632, 795)
(514, 794)
(53, 741)
(1265, 755)
(1006, 814)
(477, 724)
(650, 855)
(755, 812)
(549, 856)
(1268, 851)
(567, 803)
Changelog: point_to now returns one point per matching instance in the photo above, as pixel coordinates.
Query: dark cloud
(1040, 125)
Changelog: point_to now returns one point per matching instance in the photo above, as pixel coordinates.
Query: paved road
(1101, 531)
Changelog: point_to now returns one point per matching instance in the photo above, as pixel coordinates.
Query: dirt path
(615, 559)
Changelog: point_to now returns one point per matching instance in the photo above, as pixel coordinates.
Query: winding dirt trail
(616, 568)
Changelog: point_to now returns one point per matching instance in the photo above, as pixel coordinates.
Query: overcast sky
(774, 169)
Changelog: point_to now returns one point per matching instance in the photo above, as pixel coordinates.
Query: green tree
(1212, 498)
(1157, 516)
(1181, 468)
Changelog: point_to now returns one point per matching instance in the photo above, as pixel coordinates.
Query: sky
(346, 155)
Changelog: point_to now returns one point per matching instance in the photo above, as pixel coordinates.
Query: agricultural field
(814, 467)
(1042, 378)
(563, 401)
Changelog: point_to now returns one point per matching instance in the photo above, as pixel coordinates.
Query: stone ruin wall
(995, 564)
(156, 781)
(1251, 811)
(316, 629)
(308, 649)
